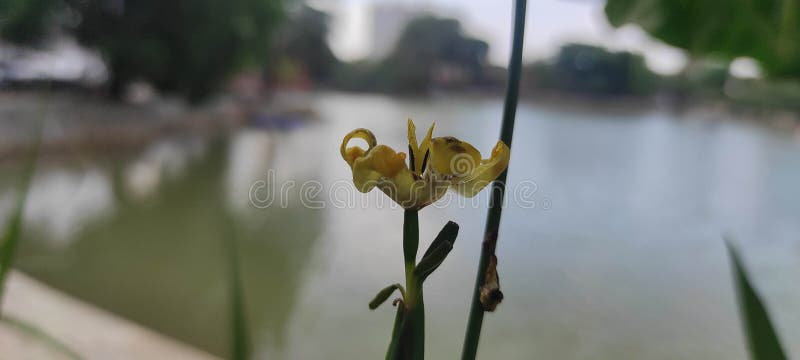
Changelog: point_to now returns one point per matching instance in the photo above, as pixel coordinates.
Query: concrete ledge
(91, 333)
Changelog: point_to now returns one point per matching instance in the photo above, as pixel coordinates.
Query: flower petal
(380, 162)
(418, 150)
(412, 137)
(485, 173)
(453, 158)
(350, 154)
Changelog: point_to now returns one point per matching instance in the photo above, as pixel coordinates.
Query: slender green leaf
(449, 233)
(240, 336)
(13, 229)
(384, 294)
(430, 263)
(39, 334)
(761, 336)
(393, 352)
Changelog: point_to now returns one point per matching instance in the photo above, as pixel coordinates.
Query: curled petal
(350, 154)
(488, 170)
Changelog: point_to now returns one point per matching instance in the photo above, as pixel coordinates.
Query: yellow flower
(434, 165)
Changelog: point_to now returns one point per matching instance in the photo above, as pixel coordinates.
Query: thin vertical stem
(239, 334)
(476, 313)
(12, 233)
(410, 236)
(413, 337)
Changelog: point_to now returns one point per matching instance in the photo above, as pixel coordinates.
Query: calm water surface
(615, 252)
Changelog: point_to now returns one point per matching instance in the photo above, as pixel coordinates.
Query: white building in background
(61, 59)
(389, 19)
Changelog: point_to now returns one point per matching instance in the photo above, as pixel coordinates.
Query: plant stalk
(411, 338)
(12, 233)
(239, 334)
(489, 245)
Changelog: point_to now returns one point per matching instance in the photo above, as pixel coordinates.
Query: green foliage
(593, 70)
(766, 30)
(431, 52)
(27, 21)
(183, 46)
(359, 76)
(761, 337)
(302, 40)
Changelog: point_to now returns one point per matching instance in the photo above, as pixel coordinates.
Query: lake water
(611, 246)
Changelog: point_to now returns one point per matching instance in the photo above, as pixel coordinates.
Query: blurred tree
(593, 70)
(28, 21)
(302, 41)
(182, 46)
(433, 51)
(765, 30)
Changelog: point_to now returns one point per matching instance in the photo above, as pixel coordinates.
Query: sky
(549, 24)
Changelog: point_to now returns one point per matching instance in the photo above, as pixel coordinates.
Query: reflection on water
(627, 263)
(166, 158)
(157, 260)
(61, 201)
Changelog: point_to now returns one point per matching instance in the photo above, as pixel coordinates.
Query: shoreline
(79, 123)
(76, 328)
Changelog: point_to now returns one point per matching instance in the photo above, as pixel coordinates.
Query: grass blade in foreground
(476, 312)
(761, 337)
(13, 229)
(42, 336)
(240, 338)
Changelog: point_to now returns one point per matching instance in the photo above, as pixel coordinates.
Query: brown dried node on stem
(491, 295)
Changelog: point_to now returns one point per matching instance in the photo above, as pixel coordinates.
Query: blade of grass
(475, 321)
(42, 336)
(240, 337)
(761, 337)
(13, 229)
(393, 353)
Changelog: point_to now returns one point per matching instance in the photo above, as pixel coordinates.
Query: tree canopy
(303, 40)
(765, 30)
(182, 46)
(429, 46)
(594, 70)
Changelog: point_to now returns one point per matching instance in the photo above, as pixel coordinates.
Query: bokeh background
(638, 145)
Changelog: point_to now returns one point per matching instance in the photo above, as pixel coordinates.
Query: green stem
(476, 313)
(413, 334)
(399, 324)
(12, 233)
(410, 238)
(240, 337)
